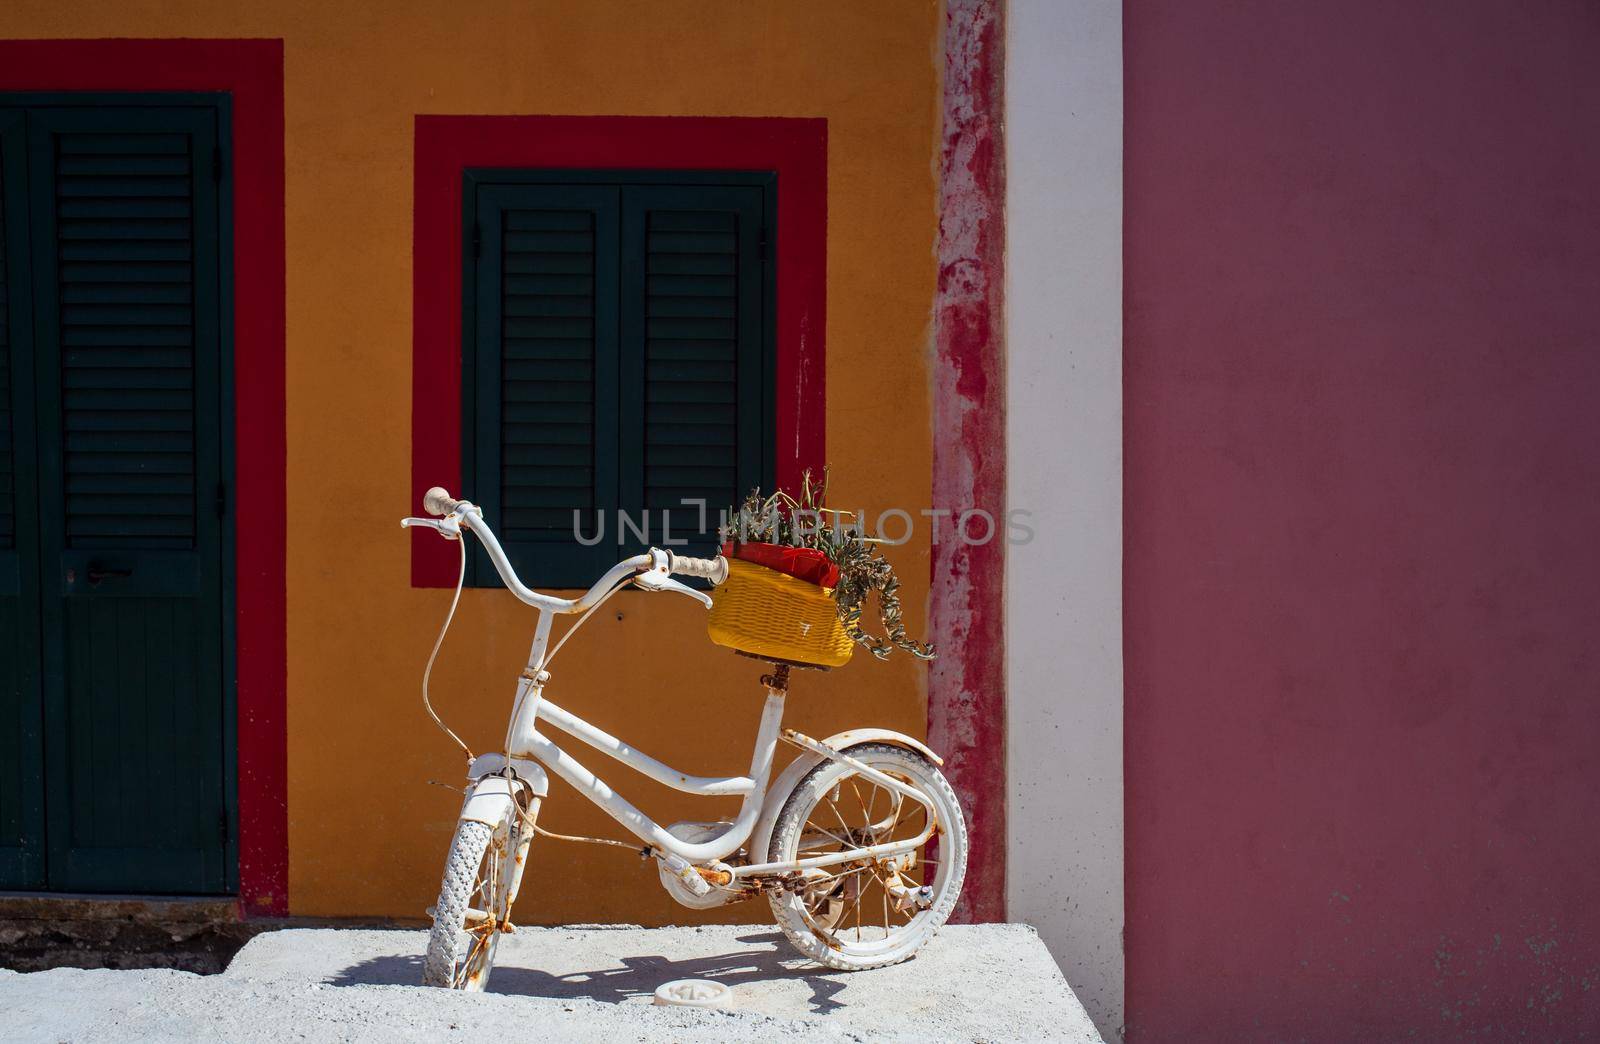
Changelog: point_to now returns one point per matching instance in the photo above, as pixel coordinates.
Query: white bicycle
(859, 844)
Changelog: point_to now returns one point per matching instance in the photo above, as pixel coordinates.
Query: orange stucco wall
(367, 833)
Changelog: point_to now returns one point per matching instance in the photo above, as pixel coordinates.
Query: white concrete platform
(591, 983)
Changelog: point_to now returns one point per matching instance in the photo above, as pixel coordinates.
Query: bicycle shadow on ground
(636, 978)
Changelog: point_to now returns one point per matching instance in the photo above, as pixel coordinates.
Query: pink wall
(1363, 519)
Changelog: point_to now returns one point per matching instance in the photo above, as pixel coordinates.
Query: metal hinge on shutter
(761, 248)
(222, 825)
(216, 164)
(477, 240)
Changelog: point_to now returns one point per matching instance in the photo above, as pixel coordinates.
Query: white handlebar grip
(437, 501)
(713, 569)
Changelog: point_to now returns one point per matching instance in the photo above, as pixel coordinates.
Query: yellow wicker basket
(763, 612)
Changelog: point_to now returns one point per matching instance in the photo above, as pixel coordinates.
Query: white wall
(1064, 464)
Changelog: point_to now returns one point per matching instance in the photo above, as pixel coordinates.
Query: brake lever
(448, 527)
(653, 580)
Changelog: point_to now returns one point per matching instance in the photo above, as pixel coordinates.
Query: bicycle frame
(524, 742)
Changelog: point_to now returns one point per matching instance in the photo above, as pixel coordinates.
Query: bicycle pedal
(697, 884)
(686, 873)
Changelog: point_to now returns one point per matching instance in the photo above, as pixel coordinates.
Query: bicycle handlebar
(457, 513)
(437, 501)
(713, 569)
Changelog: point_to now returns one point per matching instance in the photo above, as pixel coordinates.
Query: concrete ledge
(973, 982)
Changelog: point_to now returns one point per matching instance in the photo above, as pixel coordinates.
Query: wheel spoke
(854, 903)
(842, 824)
(831, 834)
(859, 802)
(871, 827)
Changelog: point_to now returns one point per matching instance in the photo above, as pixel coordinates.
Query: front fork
(521, 837)
(504, 794)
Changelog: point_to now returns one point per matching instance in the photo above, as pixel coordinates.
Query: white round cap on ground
(694, 993)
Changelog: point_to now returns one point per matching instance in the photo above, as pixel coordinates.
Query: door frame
(250, 72)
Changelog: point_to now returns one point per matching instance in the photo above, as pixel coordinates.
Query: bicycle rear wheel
(872, 912)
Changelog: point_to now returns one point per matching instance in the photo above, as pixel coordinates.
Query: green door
(115, 225)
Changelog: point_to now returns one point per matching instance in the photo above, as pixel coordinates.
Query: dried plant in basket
(807, 522)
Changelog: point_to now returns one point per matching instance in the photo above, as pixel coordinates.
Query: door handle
(97, 574)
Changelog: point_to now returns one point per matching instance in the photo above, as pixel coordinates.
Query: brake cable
(427, 672)
(570, 631)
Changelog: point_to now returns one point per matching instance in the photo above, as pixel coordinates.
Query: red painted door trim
(252, 72)
(796, 149)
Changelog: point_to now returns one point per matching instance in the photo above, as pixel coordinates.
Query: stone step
(581, 983)
(972, 982)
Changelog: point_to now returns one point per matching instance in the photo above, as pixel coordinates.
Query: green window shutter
(543, 374)
(693, 360)
(617, 343)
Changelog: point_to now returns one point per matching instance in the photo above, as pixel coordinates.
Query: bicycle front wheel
(469, 914)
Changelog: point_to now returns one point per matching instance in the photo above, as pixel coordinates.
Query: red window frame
(446, 146)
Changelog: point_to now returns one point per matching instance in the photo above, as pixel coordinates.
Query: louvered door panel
(126, 278)
(692, 374)
(125, 223)
(544, 344)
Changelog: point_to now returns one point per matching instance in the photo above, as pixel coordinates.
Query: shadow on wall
(637, 977)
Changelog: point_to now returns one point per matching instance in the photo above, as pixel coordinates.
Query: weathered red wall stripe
(966, 608)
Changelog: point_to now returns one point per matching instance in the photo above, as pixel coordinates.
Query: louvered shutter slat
(121, 251)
